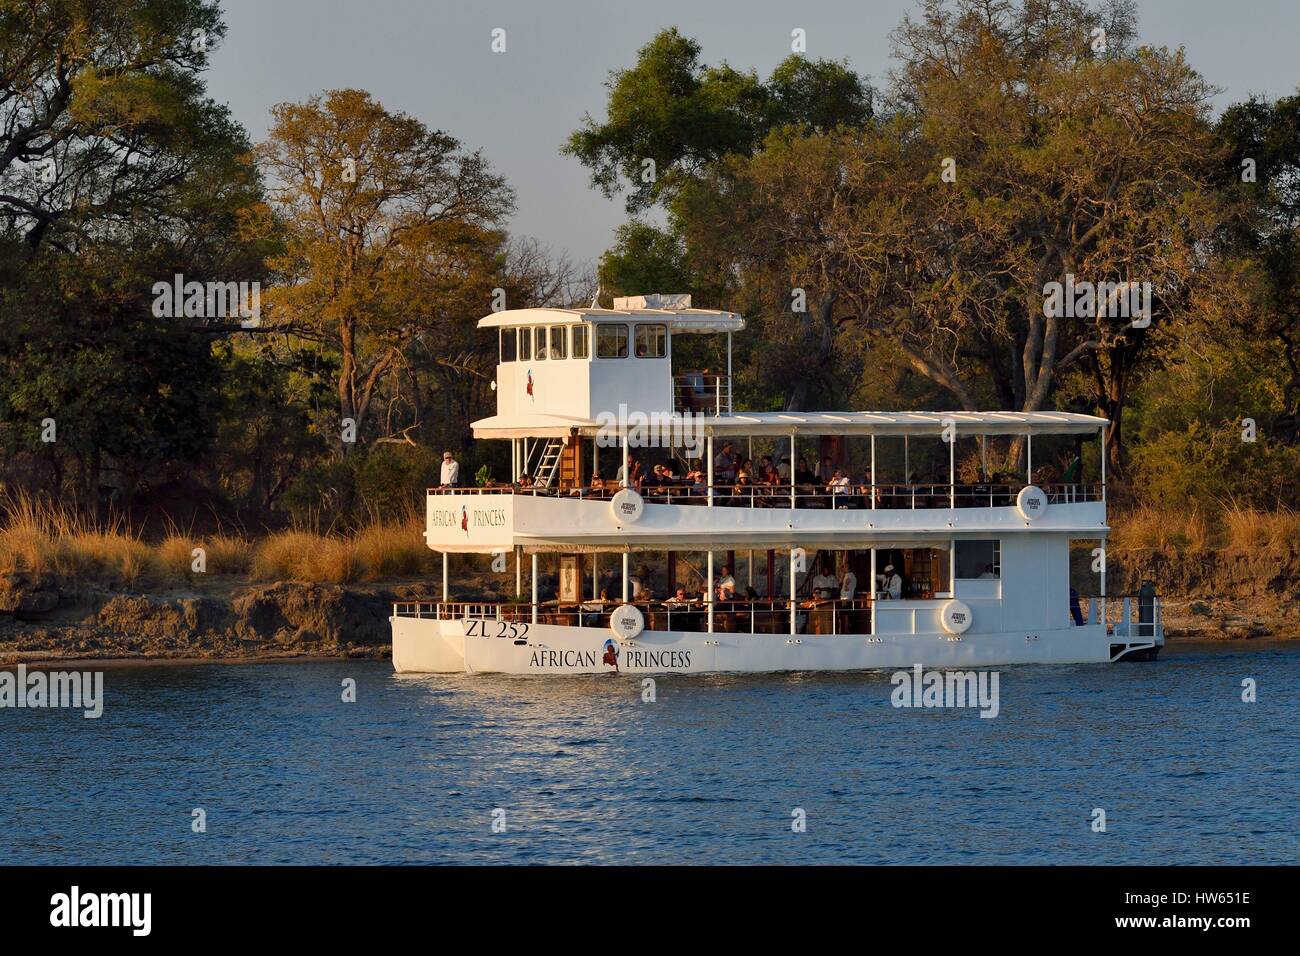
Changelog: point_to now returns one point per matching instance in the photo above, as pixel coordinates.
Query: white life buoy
(627, 506)
(956, 617)
(1031, 502)
(626, 622)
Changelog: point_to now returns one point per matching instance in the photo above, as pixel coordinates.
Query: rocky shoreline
(44, 617)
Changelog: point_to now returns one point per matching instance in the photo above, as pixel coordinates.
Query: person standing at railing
(724, 468)
(891, 585)
(848, 584)
(726, 589)
(450, 476)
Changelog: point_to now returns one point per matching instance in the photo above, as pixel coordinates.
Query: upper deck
(579, 390)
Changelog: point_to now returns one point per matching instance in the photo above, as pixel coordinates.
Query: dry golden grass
(1248, 529)
(393, 551)
(305, 556)
(38, 536)
(1232, 527)
(228, 554)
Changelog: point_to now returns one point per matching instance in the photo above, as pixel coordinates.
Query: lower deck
(463, 638)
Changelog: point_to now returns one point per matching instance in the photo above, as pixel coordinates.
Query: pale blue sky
(432, 59)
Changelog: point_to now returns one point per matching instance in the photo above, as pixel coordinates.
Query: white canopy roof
(903, 423)
(820, 423)
(677, 320)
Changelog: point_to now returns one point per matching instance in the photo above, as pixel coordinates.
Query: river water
(715, 770)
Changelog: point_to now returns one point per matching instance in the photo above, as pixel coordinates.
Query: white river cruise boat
(823, 554)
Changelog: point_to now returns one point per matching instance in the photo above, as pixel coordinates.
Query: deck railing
(1131, 616)
(757, 616)
(702, 393)
(859, 496)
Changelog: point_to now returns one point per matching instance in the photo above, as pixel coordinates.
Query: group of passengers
(740, 481)
(826, 584)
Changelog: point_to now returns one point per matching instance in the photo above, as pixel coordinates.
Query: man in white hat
(450, 476)
(891, 584)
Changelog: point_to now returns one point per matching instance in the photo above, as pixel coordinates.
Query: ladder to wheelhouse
(549, 464)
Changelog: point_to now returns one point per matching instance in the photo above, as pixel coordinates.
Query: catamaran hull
(428, 646)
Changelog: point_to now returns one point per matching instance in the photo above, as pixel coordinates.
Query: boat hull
(430, 646)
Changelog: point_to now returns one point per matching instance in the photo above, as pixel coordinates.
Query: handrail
(702, 392)
(1122, 614)
(748, 495)
(755, 616)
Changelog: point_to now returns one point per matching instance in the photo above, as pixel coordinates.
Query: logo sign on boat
(956, 617)
(1031, 502)
(628, 506)
(627, 622)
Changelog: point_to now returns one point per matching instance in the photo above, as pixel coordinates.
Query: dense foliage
(890, 245)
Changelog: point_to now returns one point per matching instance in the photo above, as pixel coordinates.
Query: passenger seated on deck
(525, 480)
(839, 484)
(803, 475)
(654, 479)
(597, 489)
(743, 489)
(679, 599)
(633, 468)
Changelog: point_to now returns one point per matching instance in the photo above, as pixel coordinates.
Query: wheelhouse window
(580, 342)
(525, 344)
(539, 343)
(611, 341)
(508, 340)
(559, 342)
(979, 559)
(651, 341)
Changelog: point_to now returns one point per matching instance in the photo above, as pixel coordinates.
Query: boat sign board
(470, 522)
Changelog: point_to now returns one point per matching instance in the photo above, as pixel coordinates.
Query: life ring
(627, 506)
(1031, 502)
(956, 617)
(626, 622)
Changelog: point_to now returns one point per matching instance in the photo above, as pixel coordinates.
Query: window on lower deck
(525, 344)
(979, 559)
(559, 341)
(539, 343)
(580, 341)
(508, 345)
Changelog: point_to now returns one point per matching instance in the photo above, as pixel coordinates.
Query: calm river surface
(711, 772)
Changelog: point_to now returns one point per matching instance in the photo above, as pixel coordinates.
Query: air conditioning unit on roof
(657, 300)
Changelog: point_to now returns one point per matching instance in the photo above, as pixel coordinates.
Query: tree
(391, 229)
(670, 117)
(102, 116)
(116, 172)
(1260, 242)
(938, 226)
